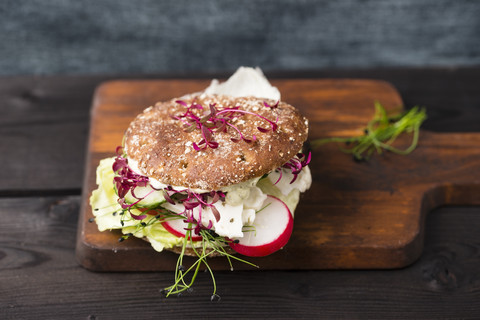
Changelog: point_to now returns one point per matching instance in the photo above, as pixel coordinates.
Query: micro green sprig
(126, 181)
(295, 165)
(218, 120)
(211, 243)
(192, 200)
(381, 132)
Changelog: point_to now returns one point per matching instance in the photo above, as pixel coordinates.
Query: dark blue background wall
(180, 36)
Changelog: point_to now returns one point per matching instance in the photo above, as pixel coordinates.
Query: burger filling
(138, 205)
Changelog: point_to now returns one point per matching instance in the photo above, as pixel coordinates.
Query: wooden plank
(117, 36)
(366, 215)
(443, 283)
(43, 127)
(45, 120)
(40, 278)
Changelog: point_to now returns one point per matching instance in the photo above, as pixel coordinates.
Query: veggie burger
(210, 173)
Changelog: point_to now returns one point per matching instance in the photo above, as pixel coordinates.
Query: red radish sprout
(296, 164)
(218, 121)
(126, 180)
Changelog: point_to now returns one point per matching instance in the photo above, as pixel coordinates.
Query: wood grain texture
(40, 278)
(43, 124)
(179, 36)
(368, 215)
(45, 120)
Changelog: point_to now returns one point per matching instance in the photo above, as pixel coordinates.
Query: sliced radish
(273, 226)
(178, 227)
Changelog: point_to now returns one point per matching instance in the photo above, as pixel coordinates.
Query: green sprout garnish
(211, 243)
(248, 228)
(134, 216)
(380, 133)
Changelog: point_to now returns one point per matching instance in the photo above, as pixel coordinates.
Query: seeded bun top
(163, 147)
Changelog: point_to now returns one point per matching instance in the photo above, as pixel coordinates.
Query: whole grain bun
(163, 148)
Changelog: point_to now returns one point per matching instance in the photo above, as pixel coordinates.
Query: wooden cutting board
(356, 215)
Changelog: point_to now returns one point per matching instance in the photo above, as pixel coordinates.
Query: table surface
(44, 128)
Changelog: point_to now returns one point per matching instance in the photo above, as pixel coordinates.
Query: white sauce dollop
(245, 82)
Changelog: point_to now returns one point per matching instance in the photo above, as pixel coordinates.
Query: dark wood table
(44, 125)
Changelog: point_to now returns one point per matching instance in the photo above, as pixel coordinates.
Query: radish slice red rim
(273, 227)
(178, 227)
